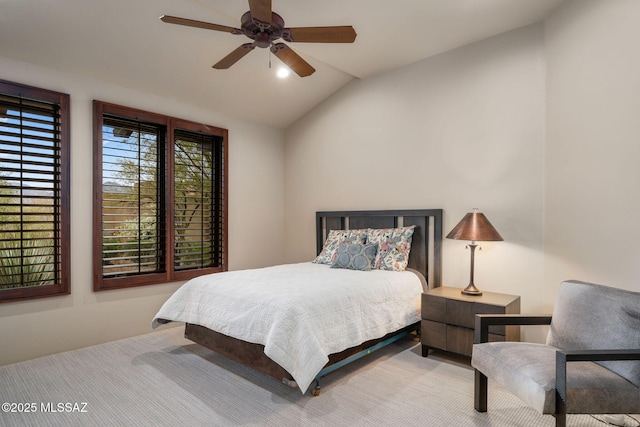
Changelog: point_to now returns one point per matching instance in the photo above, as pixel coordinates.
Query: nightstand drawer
(433, 334)
(459, 340)
(434, 308)
(460, 313)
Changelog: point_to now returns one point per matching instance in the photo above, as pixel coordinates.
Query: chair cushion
(528, 371)
(589, 317)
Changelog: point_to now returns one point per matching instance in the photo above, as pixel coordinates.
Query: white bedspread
(301, 312)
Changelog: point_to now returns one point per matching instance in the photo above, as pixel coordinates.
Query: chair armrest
(596, 355)
(564, 356)
(483, 321)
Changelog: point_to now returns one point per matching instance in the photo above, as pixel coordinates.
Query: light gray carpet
(161, 379)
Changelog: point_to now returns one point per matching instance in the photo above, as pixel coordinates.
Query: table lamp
(476, 228)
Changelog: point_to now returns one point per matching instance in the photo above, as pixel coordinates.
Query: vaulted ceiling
(125, 43)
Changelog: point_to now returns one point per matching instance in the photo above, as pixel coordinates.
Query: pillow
(333, 240)
(355, 256)
(394, 245)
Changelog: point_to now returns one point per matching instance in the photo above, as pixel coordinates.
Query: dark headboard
(426, 245)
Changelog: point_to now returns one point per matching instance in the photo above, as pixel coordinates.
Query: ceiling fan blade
(292, 59)
(341, 34)
(234, 56)
(199, 24)
(260, 10)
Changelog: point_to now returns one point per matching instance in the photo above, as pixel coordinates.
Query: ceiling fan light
(283, 72)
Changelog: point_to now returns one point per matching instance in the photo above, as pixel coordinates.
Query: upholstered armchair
(590, 363)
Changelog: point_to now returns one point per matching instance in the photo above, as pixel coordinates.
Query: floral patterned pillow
(333, 240)
(394, 245)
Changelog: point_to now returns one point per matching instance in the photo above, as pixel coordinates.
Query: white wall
(460, 130)
(256, 219)
(593, 143)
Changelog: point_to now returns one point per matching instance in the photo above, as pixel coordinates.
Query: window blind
(132, 193)
(30, 193)
(197, 204)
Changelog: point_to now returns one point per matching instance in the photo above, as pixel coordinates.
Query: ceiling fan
(264, 27)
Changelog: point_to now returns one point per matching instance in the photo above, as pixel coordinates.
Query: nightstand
(448, 319)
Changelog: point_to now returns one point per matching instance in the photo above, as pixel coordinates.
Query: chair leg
(480, 392)
(561, 389)
(561, 408)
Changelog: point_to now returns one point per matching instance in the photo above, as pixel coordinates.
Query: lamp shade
(475, 227)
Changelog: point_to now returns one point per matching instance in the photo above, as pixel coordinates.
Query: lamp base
(471, 290)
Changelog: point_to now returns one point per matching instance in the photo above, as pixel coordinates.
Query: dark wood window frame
(167, 272)
(58, 161)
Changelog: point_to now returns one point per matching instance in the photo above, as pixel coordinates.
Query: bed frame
(425, 257)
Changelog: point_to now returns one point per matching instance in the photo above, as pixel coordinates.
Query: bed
(299, 322)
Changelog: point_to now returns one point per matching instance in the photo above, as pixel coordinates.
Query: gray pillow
(355, 256)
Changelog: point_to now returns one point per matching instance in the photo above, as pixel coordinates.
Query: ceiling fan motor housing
(264, 33)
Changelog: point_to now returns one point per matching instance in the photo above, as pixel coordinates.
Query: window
(197, 238)
(160, 198)
(34, 192)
